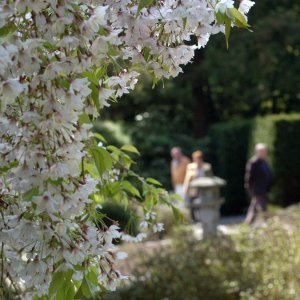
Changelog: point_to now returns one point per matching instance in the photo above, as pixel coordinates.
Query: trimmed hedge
(232, 145)
(282, 135)
(229, 152)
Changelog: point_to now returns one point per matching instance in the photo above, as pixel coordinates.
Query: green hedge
(282, 134)
(229, 152)
(233, 143)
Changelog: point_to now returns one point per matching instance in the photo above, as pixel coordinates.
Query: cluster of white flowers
(47, 48)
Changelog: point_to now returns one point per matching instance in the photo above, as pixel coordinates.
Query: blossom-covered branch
(61, 62)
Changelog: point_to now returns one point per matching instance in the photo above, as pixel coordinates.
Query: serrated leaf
(143, 4)
(130, 148)
(153, 181)
(102, 158)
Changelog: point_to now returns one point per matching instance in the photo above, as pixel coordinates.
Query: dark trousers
(258, 204)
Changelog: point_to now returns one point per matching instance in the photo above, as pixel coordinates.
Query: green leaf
(238, 17)
(130, 148)
(177, 214)
(102, 159)
(220, 18)
(176, 197)
(130, 188)
(100, 137)
(58, 280)
(112, 51)
(84, 119)
(7, 29)
(144, 3)
(31, 193)
(62, 287)
(100, 73)
(227, 30)
(95, 95)
(184, 20)
(87, 289)
(91, 169)
(113, 149)
(153, 181)
(91, 77)
(146, 53)
(69, 291)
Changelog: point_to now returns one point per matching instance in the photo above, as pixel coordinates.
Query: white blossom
(223, 5)
(150, 215)
(245, 6)
(158, 227)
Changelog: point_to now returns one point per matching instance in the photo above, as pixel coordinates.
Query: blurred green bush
(254, 264)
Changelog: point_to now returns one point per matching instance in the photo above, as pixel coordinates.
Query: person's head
(176, 153)
(261, 150)
(197, 157)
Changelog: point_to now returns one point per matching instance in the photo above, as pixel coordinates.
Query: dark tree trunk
(204, 113)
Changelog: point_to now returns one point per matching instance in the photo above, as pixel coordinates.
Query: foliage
(267, 61)
(256, 263)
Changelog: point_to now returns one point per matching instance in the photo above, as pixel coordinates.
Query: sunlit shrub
(256, 263)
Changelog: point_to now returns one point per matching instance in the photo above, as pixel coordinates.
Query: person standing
(198, 168)
(258, 179)
(178, 170)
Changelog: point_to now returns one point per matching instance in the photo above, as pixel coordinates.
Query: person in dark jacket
(258, 179)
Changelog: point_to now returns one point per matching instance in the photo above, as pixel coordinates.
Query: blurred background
(224, 103)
